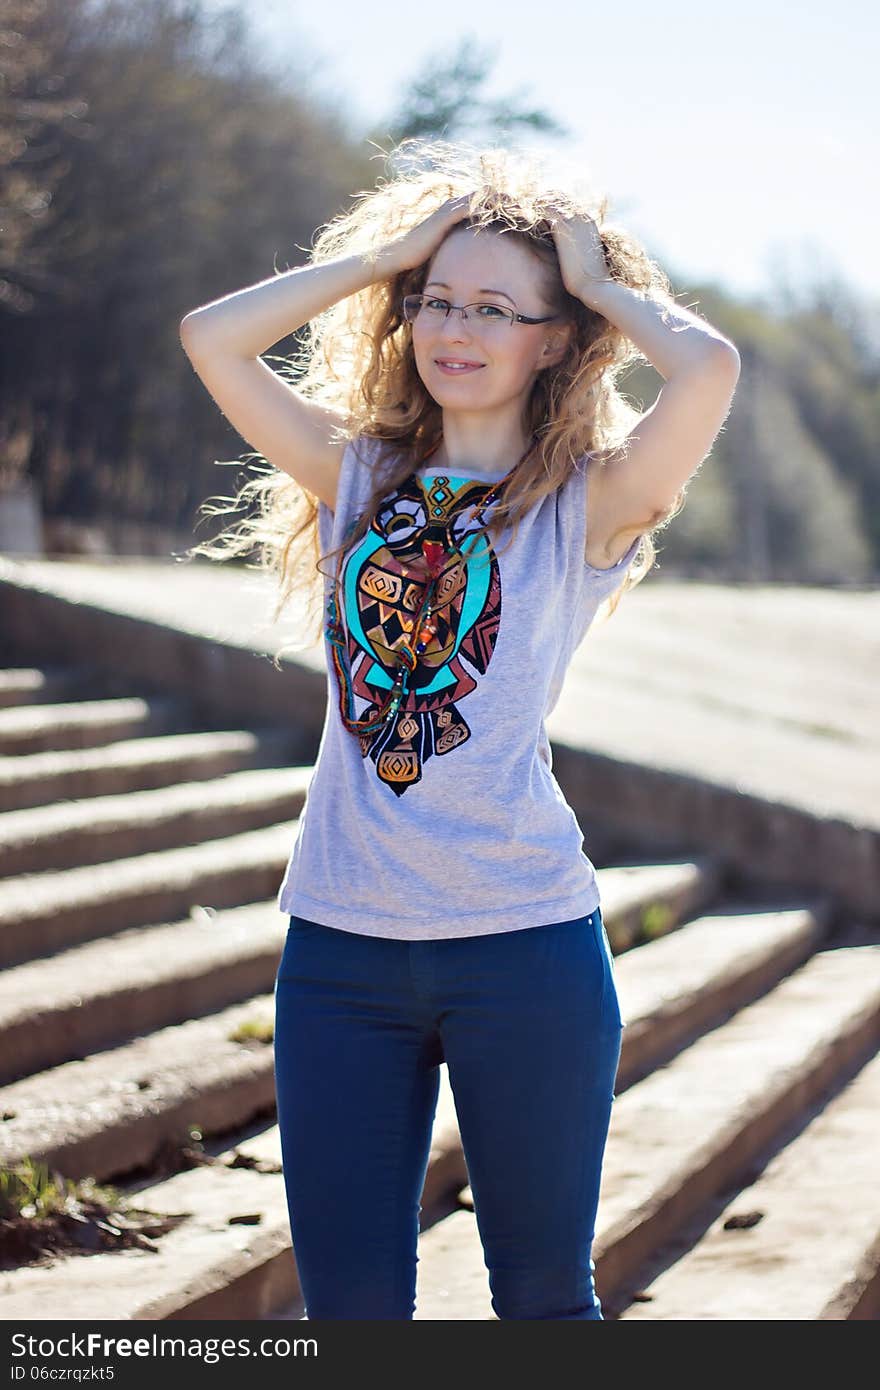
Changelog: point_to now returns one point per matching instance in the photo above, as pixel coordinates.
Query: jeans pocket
(612, 1016)
(298, 931)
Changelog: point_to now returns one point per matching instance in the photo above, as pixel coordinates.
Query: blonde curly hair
(357, 358)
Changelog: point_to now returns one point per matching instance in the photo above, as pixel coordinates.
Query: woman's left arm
(672, 338)
(700, 368)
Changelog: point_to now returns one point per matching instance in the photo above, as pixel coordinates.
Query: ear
(556, 345)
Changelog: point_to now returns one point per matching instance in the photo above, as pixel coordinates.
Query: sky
(735, 141)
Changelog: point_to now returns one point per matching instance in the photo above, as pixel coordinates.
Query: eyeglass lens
(440, 308)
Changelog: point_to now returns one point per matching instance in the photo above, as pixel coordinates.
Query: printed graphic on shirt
(383, 588)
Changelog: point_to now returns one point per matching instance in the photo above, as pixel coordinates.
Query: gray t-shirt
(449, 821)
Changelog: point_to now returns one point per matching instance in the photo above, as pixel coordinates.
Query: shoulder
(372, 453)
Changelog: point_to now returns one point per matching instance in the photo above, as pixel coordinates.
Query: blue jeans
(530, 1027)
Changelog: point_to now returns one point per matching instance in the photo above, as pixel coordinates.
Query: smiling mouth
(453, 364)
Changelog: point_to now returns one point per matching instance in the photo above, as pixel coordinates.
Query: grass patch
(254, 1030)
(43, 1213)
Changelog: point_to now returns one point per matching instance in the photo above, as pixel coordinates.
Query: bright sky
(736, 141)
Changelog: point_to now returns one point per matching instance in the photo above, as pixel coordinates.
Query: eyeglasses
(489, 315)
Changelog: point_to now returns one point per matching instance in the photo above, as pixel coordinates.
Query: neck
(476, 454)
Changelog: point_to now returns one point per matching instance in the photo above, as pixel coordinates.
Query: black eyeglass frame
(463, 308)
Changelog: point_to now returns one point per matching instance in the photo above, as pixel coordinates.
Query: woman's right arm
(223, 341)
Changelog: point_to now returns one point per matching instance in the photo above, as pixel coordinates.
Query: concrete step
(98, 993)
(131, 958)
(680, 986)
(41, 913)
(694, 1127)
(686, 1131)
(90, 723)
(114, 1111)
(641, 901)
(138, 764)
(96, 829)
(799, 1243)
(139, 928)
(58, 684)
(231, 1256)
(102, 993)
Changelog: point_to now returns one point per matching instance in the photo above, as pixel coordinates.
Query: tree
(444, 101)
(35, 110)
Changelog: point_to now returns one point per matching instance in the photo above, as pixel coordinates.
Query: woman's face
(483, 267)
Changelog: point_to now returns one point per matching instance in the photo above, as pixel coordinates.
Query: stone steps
(133, 765)
(139, 863)
(157, 1004)
(87, 723)
(699, 1126)
(743, 1084)
(45, 912)
(91, 831)
(30, 685)
(801, 1242)
(96, 994)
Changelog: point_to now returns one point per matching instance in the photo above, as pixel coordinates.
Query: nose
(455, 327)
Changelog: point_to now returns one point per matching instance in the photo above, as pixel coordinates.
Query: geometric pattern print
(382, 588)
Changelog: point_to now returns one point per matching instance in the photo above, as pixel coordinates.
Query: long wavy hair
(357, 358)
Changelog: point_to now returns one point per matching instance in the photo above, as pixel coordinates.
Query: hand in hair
(579, 246)
(418, 245)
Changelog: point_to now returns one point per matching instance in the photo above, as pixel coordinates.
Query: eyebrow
(443, 285)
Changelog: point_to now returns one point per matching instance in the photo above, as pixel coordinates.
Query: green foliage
(152, 163)
(445, 101)
(260, 1030)
(657, 920)
(30, 1190)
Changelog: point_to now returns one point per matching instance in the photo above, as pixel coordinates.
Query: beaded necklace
(436, 559)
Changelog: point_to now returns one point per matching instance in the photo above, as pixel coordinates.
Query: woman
(467, 322)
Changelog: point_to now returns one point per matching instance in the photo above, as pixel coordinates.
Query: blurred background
(717, 740)
(157, 154)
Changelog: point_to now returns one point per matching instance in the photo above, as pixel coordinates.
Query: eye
(493, 311)
(437, 303)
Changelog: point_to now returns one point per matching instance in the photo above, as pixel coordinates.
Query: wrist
(380, 264)
(596, 292)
